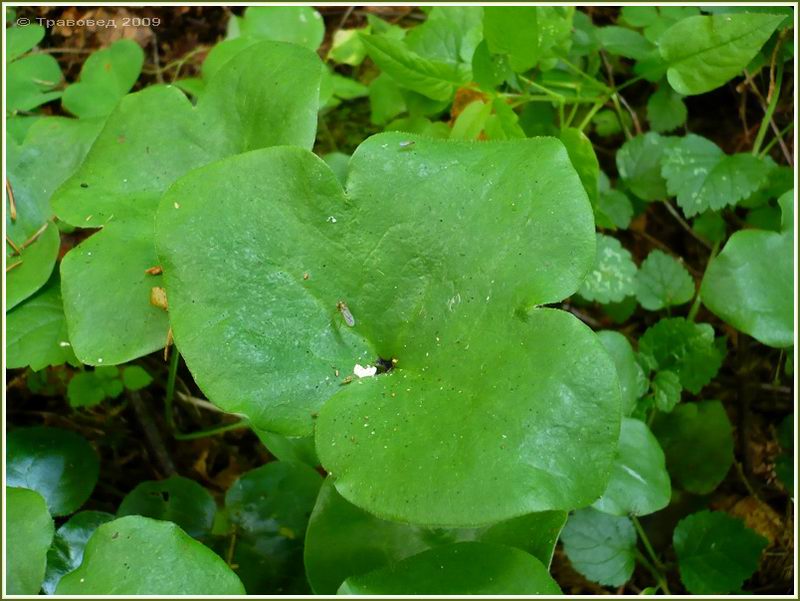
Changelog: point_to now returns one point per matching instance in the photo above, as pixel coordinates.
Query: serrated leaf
(106, 76)
(434, 79)
(666, 110)
(29, 532)
(344, 540)
(66, 552)
(175, 499)
(663, 282)
(698, 443)
(265, 95)
(749, 284)
(600, 546)
(58, 464)
(685, 347)
(639, 483)
(292, 334)
(613, 276)
(135, 555)
(471, 568)
(705, 51)
(703, 177)
(639, 165)
(36, 334)
(666, 390)
(716, 552)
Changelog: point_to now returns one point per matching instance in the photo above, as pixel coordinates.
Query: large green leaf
(749, 284)
(36, 332)
(269, 508)
(459, 569)
(58, 464)
(106, 76)
(66, 552)
(449, 34)
(135, 555)
(281, 346)
(434, 79)
(705, 51)
(31, 82)
(716, 552)
(265, 95)
(54, 148)
(662, 281)
(639, 484)
(344, 540)
(703, 177)
(301, 25)
(29, 530)
(698, 443)
(600, 546)
(175, 499)
(21, 39)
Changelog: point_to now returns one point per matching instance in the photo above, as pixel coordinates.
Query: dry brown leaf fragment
(158, 297)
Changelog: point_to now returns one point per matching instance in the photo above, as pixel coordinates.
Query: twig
(151, 433)
(13, 265)
(786, 153)
(202, 403)
(35, 236)
(633, 114)
(674, 212)
(12, 206)
(12, 245)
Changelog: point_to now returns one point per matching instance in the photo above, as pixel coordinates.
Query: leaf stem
(646, 542)
(696, 303)
(770, 110)
(684, 224)
(243, 423)
(657, 574)
(170, 394)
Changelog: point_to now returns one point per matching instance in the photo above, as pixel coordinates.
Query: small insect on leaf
(346, 381)
(406, 144)
(158, 297)
(348, 317)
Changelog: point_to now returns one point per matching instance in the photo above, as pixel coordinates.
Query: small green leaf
(297, 449)
(58, 464)
(624, 42)
(106, 76)
(613, 276)
(703, 177)
(749, 284)
(489, 70)
(470, 121)
(583, 158)
(710, 225)
(347, 47)
(36, 334)
(600, 546)
(663, 282)
(175, 499)
(716, 552)
(698, 443)
(639, 484)
(84, 390)
(21, 39)
(344, 540)
(301, 25)
(628, 370)
(527, 35)
(135, 555)
(705, 51)
(459, 569)
(666, 390)
(385, 100)
(66, 552)
(639, 165)
(666, 110)
(614, 210)
(28, 535)
(685, 347)
(135, 377)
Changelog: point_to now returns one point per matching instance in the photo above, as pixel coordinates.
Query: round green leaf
(344, 540)
(639, 484)
(269, 508)
(66, 552)
(698, 444)
(175, 499)
(21, 39)
(84, 390)
(639, 165)
(118, 186)
(291, 337)
(663, 282)
(716, 552)
(666, 110)
(58, 464)
(705, 51)
(614, 274)
(30, 81)
(749, 284)
(134, 377)
(628, 371)
(458, 569)
(600, 546)
(135, 555)
(301, 25)
(28, 535)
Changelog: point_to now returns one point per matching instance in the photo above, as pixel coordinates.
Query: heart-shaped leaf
(344, 540)
(402, 268)
(458, 569)
(265, 95)
(29, 532)
(135, 555)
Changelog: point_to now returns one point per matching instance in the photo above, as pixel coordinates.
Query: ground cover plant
(400, 300)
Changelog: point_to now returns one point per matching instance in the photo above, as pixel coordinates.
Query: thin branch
(12, 206)
(674, 212)
(16, 248)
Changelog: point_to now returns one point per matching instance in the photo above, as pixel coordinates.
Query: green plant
(460, 291)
